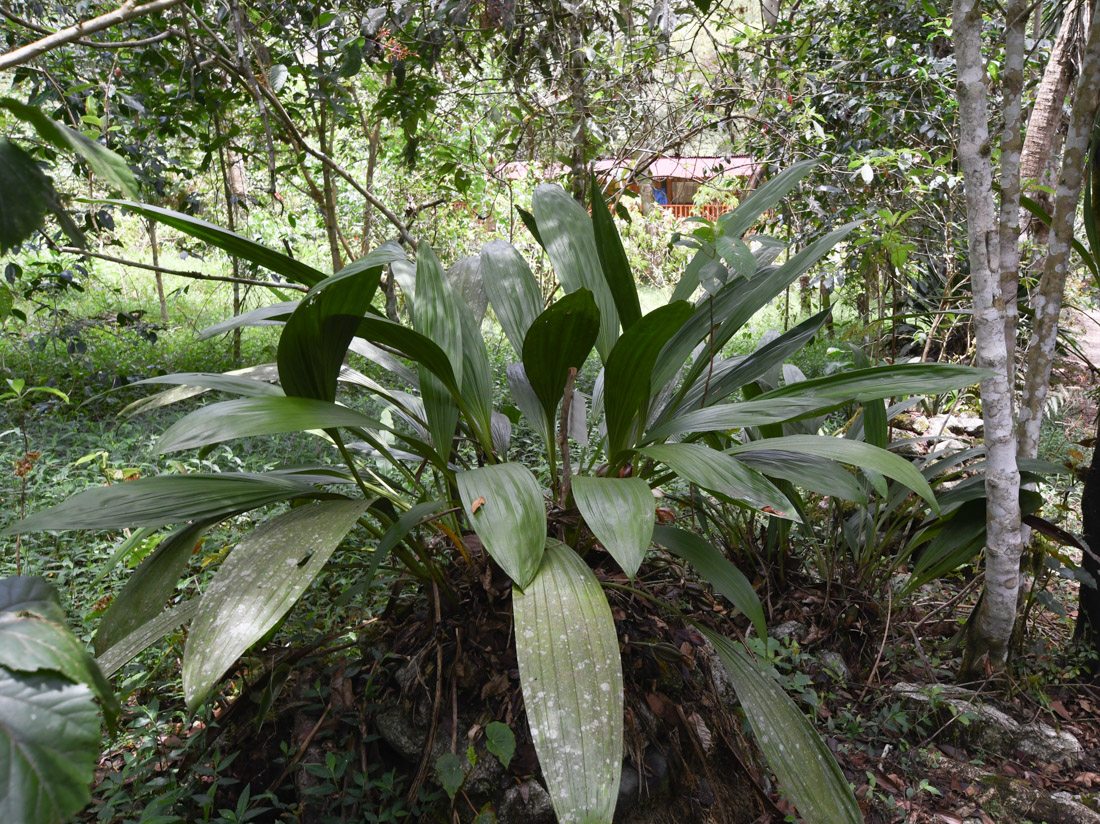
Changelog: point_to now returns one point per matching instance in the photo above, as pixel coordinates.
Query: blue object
(660, 196)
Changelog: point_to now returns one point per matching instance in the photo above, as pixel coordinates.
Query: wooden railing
(682, 210)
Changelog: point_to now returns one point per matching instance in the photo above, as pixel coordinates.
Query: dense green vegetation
(382, 449)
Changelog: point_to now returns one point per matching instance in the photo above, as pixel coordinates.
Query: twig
(882, 646)
(301, 750)
(950, 603)
(76, 250)
(117, 44)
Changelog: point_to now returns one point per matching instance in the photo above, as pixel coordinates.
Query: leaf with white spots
(620, 512)
(572, 680)
(807, 772)
(263, 577)
(505, 507)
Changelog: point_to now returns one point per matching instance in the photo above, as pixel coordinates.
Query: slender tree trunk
(154, 247)
(1047, 303)
(578, 95)
(991, 627)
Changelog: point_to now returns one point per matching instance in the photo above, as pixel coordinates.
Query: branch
(127, 11)
(92, 44)
(76, 250)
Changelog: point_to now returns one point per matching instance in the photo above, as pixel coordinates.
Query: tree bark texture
(1047, 301)
(991, 626)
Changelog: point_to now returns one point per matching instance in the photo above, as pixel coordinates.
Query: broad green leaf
(150, 586)
(248, 417)
(315, 339)
(855, 453)
(272, 315)
(724, 476)
(49, 742)
(145, 636)
(451, 771)
(263, 577)
(437, 310)
(572, 680)
(26, 194)
(727, 378)
(282, 265)
(468, 283)
(30, 644)
(628, 372)
(477, 379)
(955, 543)
(500, 741)
(819, 475)
(716, 569)
(566, 231)
(165, 499)
(738, 415)
(620, 513)
(236, 384)
(532, 227)
(878, 382)
(559, 338)
(262, 373)
(504, 505)
(616, 268)
(525, 399)
(416, 347)
(28, 593)
(103, 161)
(736, 255)
(512, 290)
(808, 773)
(763, 198)
(734, 305)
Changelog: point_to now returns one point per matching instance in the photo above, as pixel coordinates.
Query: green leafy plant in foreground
(431, 447)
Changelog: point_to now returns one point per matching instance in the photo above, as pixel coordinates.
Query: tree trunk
(991, 627)
(1047, 303)
(579, 99)
(153, 246)
(1087, 630)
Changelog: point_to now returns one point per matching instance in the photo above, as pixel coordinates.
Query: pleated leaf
(616, 267)
(512, 289)
(235, 384)
(263, 577)
(628, 372)
(437, 310)
(567, 235)
(115, 658)
(236, 245)
(504, 505)
(723, 475)
(807, 772)
(738, 415)
(810, 472)
(150, 586)
(29, 593)
(571, 675)
(165, 499)
(716, 569)
(248, 417)
(272, 315)
(877, 382)
(416, 347)
(49, 742)
(855, 453)
(620, 512)
(525, 399)
(559, 338)
(261, 373)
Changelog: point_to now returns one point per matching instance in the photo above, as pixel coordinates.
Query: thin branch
(92, 44)
(76, 250)
(127, 11)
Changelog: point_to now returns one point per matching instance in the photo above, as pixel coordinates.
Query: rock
(947, 445)
(1046, 744)
(788, 630)
(966, 425)
(989, 729)
(526, 803)
(833, 663)
(405, 738)
(1006, 799)
(908, 447)
(641, 789)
